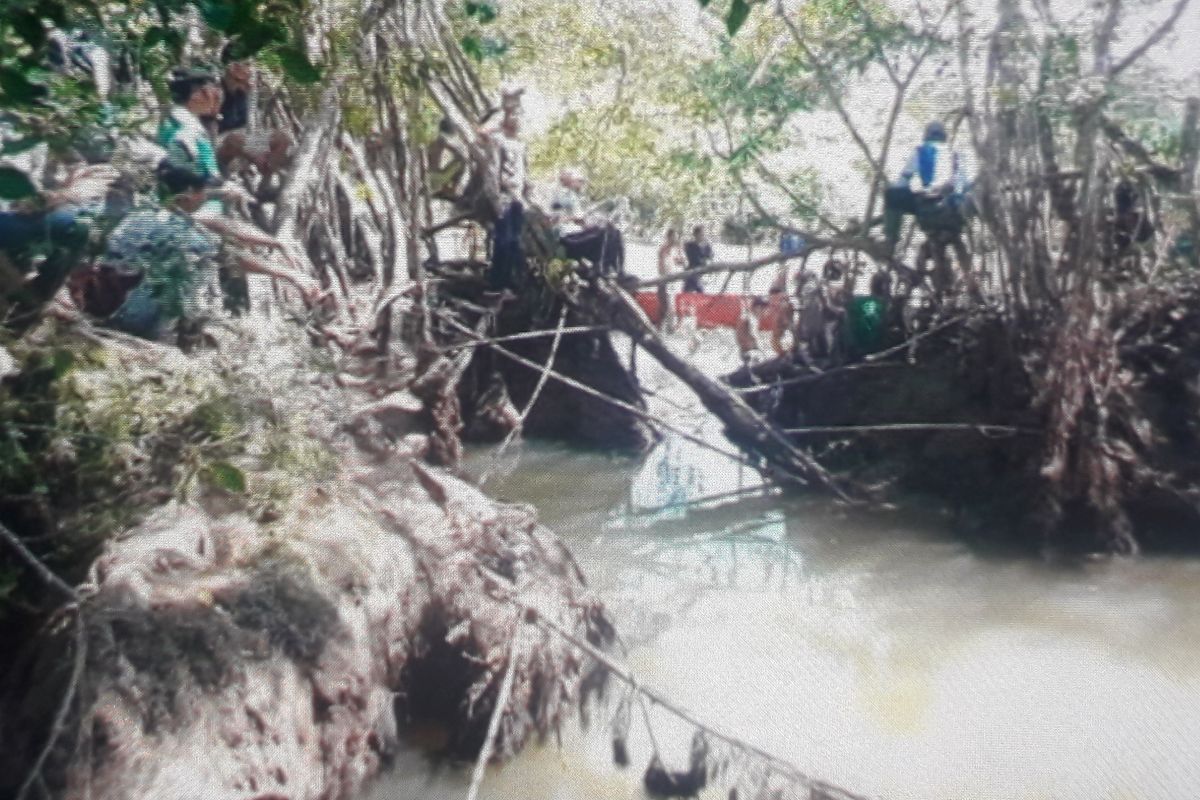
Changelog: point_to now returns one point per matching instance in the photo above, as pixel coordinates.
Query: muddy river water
(876, 650)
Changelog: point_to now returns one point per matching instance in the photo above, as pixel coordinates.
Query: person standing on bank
(699, 254)
(512, 170)
(670, 260)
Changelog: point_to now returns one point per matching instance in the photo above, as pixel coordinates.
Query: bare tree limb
(33, 562)
(1153, 39)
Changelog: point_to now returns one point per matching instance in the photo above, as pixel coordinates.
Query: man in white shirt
(508, 259)
(566, 204)
(595, 240)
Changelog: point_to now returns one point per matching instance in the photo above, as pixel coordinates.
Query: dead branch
(41, 570)
(489, 741)
(983, 429)
(812, 242)
(64, 708)
(533, 398)
(751, 431)
(1153, 39)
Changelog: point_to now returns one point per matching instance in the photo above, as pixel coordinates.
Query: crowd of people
(177, 250)
(179, 255)
(824, 320)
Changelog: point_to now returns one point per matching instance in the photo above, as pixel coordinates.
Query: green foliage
(147, 36)
(739, 11)
(15, 185)
(478, 40)
(485, 12)
(226, 476)
(90, 440)
(624, 152)
(481, 48)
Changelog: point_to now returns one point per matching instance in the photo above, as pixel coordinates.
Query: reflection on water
(875, 650)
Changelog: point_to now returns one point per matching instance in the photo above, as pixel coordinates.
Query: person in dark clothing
(508, 258)
(266, 149)
(1129, 221)
(39, 246)
(235, 105)
(699, 253)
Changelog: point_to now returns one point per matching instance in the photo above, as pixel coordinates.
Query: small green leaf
(297, 66)
(17, 88)
(485, 12)
(226, 476)
(15, 184)
(61, 362)
(704, 3)
(472, 47)
(738, 12)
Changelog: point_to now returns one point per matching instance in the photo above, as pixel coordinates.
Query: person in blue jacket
(938, 201)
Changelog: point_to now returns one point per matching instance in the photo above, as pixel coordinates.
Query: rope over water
(779, 778)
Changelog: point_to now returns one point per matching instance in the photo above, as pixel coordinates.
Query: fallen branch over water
(981, 428)
(744, 426)
(582, 387)
(862, 244)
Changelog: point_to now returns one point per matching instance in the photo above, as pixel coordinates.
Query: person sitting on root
(832, 291)
(808, 335)
(196, 98)
(186, 137)
(267, 150)
(42, 240)
(699, 254)
(447, 164)
(866, 319)
(582, 237)
(939, 200)
(167, 259)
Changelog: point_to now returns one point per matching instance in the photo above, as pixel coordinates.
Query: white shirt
(947, 168)
(512, 156)
(565, 204)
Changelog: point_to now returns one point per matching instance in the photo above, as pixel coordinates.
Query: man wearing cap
(937, 202)
(511, 165)
(597, 241)
(196, 96)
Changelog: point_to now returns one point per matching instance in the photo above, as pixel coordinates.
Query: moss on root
(156, 653)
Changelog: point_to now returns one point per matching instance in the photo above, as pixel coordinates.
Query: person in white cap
(594, 240)
(512, 170)
(566, 204)
(510, 96)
